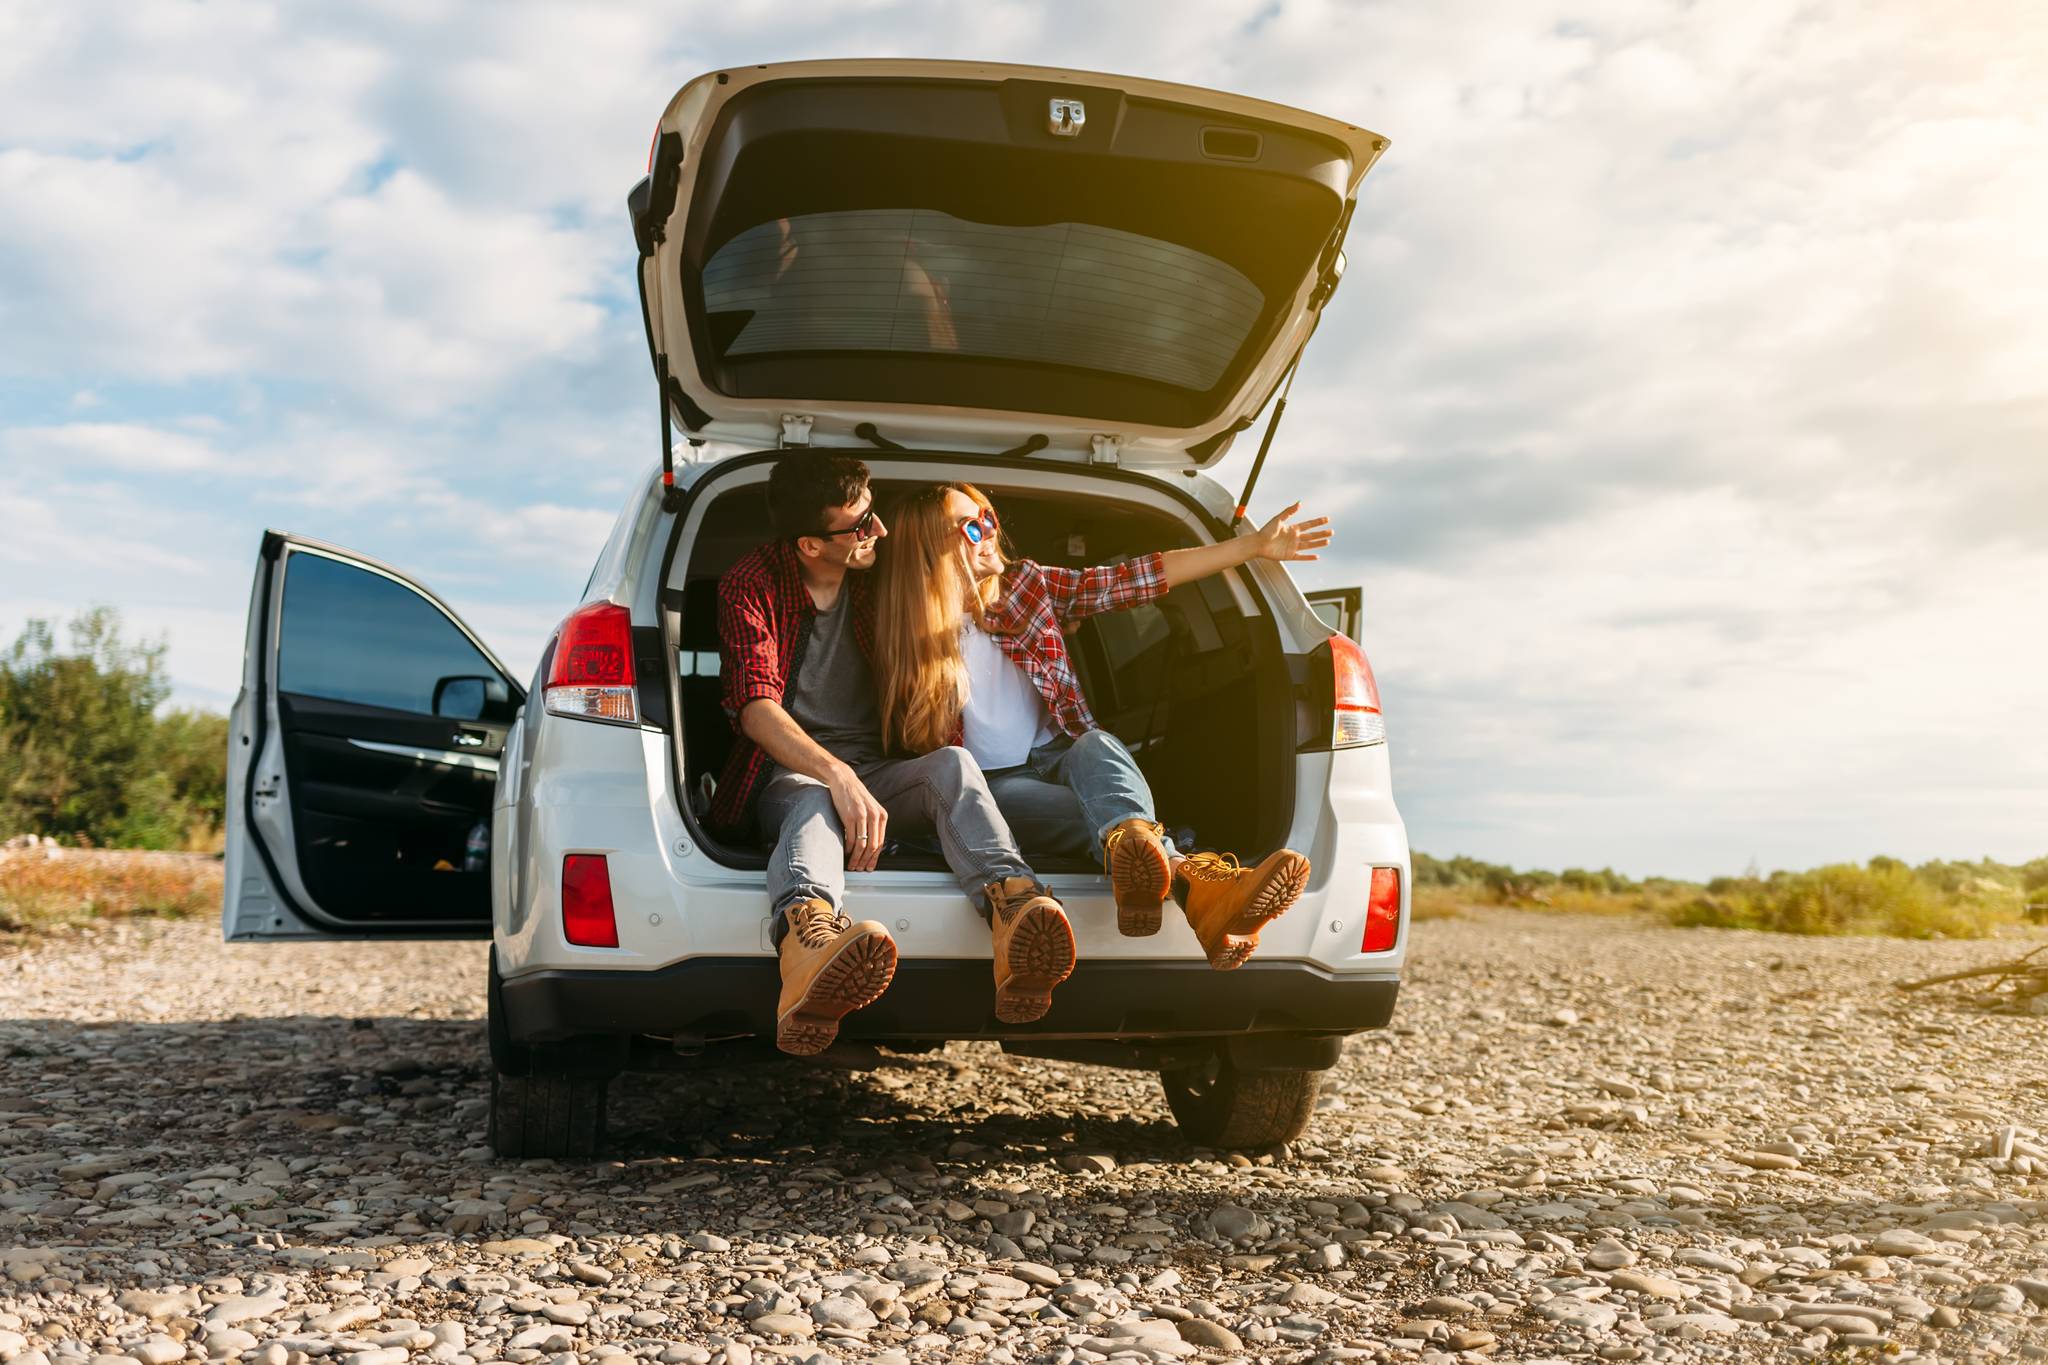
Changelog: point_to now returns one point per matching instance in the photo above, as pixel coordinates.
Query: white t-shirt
(1005, 717)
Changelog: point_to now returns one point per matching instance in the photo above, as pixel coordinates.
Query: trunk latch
(1066, 118)
(1105, 449)
(796, 429)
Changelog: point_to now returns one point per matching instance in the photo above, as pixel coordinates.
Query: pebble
(1571, 1193)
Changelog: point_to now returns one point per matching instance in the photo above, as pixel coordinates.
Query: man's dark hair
(806, 484)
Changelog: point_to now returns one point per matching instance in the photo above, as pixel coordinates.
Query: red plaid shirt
(763, 609)
(1037, 600)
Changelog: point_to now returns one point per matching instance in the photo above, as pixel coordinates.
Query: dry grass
(38, 891)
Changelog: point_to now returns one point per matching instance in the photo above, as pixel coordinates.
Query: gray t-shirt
(832, 695)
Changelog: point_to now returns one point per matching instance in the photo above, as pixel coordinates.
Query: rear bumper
(713, 998)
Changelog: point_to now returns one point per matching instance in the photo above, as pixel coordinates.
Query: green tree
(83, 754)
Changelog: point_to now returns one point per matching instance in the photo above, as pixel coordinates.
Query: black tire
(547, 1114)
(1217, 1105)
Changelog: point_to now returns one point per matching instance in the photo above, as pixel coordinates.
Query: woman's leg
(1124, 834)
(1104, 778)
(1044, 816)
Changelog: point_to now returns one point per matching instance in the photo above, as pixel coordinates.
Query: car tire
(547, 1114)
(1217, 1105)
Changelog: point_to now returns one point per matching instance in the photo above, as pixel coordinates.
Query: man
(796, 634)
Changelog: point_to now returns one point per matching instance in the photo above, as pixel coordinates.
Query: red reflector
(587, 919)
(1355, 687)
(595, 648)
(1382, 911)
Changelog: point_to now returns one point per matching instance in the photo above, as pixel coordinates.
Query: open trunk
(1198, 688)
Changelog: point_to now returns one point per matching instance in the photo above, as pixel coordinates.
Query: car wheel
(547, 1114)
(1218, 1105)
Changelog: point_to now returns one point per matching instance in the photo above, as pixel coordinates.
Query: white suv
(1073, 290)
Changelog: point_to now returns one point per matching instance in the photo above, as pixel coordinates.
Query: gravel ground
(1585, 1138)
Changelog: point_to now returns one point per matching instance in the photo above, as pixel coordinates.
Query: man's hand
(861, 816)
(1284, 540)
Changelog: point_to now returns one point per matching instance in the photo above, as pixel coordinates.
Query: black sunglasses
(863, 529)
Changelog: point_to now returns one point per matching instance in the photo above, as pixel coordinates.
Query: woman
(969, 650)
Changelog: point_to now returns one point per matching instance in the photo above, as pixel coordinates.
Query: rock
(844, 1313)
(152, 1350)
(1651, 1286)
(231, 1341)
(1235, 1224)
(545, 1336)
(1944, 1316)
(228, 1312)
(1471, 1339)
(1609, 1254)
(1210, 1336)
(705, 1241)
(1768, 1161)
(1443, 1306)
(156, 1305)
(1902, 1242)
(519, 1246)
(389, 1355)
(2036, 1291)
(1088, 1163)
(1709, 1260)
(1998, 1298)
(783, 1325)
(344, 1318)
(1694, 1324)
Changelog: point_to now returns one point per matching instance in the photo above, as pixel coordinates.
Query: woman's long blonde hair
(924, 595)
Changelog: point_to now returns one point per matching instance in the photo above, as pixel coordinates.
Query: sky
(1683, 414)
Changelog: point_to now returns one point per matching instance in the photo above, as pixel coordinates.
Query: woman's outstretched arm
(1277, 539)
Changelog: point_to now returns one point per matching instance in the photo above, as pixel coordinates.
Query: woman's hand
(1285, 540)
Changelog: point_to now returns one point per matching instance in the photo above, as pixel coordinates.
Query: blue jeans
(1071, 792)
(940, 793)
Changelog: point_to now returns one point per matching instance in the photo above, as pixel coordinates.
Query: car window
(924, 282)
(1133, 644)
(348, 634)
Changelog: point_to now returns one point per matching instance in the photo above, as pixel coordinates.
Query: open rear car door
(363, 752)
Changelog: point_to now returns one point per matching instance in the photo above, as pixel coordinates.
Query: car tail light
(1355, 717)
(1382, 911)
(587, 918)
(592, 672)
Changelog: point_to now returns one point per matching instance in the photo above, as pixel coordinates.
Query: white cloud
(1683, 411)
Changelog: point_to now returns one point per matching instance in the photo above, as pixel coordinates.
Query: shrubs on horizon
(86, 758)
(1940, 899)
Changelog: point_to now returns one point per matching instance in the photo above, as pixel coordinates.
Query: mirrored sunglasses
(980, 528)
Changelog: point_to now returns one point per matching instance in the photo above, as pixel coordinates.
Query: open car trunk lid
(981, 257)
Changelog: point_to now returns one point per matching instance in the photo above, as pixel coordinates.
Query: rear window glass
(919, 281)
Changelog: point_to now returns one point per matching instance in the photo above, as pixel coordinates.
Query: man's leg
(830, 965)
(944, 791)
(1118, 814)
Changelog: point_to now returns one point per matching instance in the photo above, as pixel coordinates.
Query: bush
(84, 756)
(1886, 897)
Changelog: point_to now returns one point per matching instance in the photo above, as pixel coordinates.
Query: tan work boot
(1034, 948)
(830, 968)
(1227, 904)
(1135, 859)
